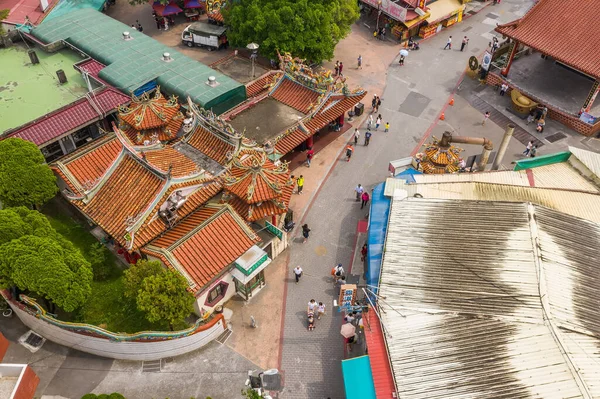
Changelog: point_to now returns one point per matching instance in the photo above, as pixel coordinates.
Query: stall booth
(442, 14)
(192, 9)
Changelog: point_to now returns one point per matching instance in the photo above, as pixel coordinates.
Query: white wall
(201, 299)
(119, 350)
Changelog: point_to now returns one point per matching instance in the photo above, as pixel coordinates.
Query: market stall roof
(358, 378)
(442, 9)
(194, 4)
(166, 9)
(543, 28)
(136, 62)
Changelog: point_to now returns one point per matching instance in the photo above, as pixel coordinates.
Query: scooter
(264, 382)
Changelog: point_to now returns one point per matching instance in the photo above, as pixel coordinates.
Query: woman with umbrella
(403, 54)
(348, 331)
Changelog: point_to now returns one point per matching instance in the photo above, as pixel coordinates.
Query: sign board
(486, 61)
(274, 230)
(347, 296)
(388, 7)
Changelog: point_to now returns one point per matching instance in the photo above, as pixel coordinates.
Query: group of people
(530, 150)
(162, 23)
(379, 33)
(538, 115)
(137, 26)
(339, 68)
(362, 195)
(313, 309)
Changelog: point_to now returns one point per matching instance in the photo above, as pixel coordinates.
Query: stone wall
(566, 119)
(125, 350)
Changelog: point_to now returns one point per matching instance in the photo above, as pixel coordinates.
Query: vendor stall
(193, 9)
(166, 10)
(442, 14)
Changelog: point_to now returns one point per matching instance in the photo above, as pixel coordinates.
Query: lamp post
(378, 14)
(254, 48)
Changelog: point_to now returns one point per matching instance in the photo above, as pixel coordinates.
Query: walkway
(412, 100)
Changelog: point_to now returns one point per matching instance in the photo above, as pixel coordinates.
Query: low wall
(565, 118)
(125, 350)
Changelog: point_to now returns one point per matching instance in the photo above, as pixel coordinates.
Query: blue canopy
(378, 218)
(193, 4)
(358, 378)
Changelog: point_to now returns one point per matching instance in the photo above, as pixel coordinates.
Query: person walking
(359, 62)
(349, 151)
(367, 137)
(533, 151)
(359, 190)
(338, 273)
(370, 122)
(374, 103)
(320, 310)
(401, 60)
(341, 68)
(378, 103)
(363, 253)
(485, 117)
(365, 199)
(356, 136)
(297, 273)
(300, 184)
(309, 156)
(378, 122)
(528, 148)
(448, 44)
(305, 232)
(383, 33)
(503, 89)
(337, 68)
(139, 26)
(387, 127)
(464, 43)
(312, 306)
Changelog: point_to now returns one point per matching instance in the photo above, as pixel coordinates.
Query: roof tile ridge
(320, 106)
(171, 261)
(105, 139)
(276, 85)
(263, 76)
(134, 228)
(89, 195)
(199, 227)
(67, 173)
(137, 156)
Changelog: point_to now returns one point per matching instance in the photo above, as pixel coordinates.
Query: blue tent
(358, 378)
(378, 218)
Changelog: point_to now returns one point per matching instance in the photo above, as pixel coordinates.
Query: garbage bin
(359, 109)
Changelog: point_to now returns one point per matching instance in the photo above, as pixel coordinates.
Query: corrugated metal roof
(588, 158)
(462, 302)
(500, 177)
(576, 203)
(559, 175)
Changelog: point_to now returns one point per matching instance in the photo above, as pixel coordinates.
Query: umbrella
(169, 9)
(193, 4)
(403, 52)
(348, 330)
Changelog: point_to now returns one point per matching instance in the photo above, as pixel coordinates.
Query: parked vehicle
(202, 34)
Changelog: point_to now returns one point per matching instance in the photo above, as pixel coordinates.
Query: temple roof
(204, 244)
(566, 30)
(253, 178)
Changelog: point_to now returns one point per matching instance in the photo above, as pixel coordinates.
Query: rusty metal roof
(490, 299)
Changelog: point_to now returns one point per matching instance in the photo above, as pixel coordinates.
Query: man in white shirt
(312, 306)
(297, 273)
(359, 190)
(448, 44)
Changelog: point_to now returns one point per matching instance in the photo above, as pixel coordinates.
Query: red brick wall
(28, 385)
(3, 346)
(571, 121)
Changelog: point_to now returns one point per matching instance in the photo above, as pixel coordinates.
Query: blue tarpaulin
(408, 175)
(358, 378)
(378, 219)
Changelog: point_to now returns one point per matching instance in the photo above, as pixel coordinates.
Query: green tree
(135, 275)
(49, 267)
(250, 394)
(20, 221)
(25, 179)
(164, 297)
(3, 15)
(306, 29)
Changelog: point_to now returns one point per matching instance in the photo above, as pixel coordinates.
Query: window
(216, 294)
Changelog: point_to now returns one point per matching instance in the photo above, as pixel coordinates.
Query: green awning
(358, 378)
(542, 160)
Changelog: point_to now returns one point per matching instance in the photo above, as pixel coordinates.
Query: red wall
(3, 346)
(28, 385)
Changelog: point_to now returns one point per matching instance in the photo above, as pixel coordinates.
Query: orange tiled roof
(215, 236)
(167, 157)
(290, 141)
(295, 95)
(211, 145)
(163, 133)
(216, 16)
(254, 178)
(149, 112)
(153, 226)
(88, 164)
(566, 30)
(261, 84)
(121, 198)
(254, 212)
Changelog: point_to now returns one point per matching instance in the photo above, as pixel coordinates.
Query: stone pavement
(413, 97)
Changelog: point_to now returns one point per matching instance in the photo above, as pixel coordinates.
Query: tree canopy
(135, 275)
(165, 297)
(305, 29)
(34, 257)
(49, 267)
(25, 179)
